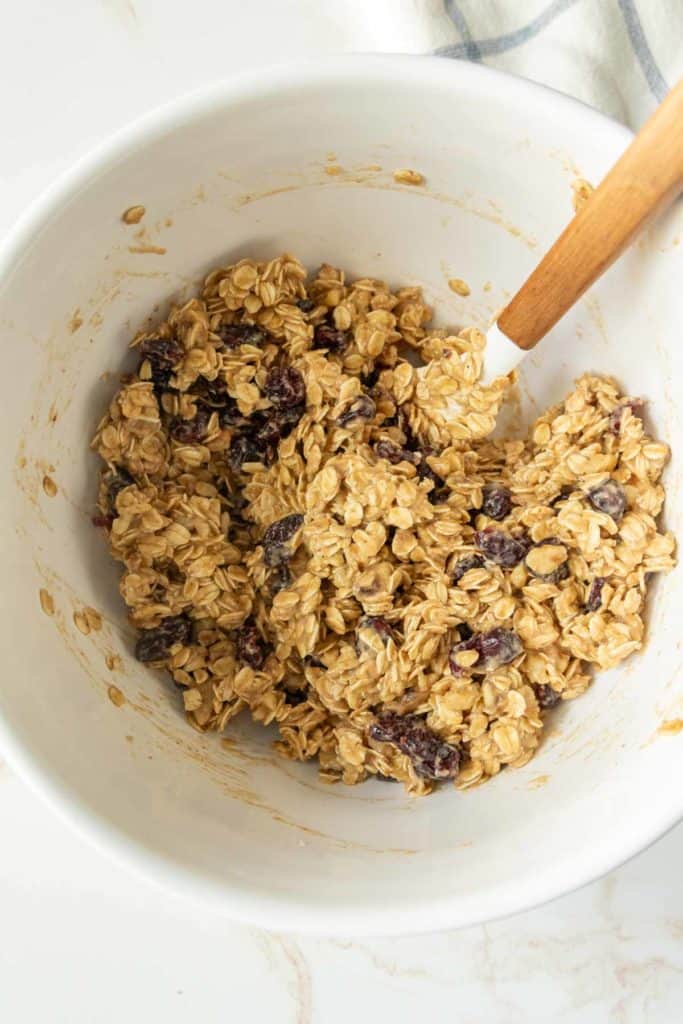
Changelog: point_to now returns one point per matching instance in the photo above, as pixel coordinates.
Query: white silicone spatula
(645, 179)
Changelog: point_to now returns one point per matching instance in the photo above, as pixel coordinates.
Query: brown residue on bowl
(116, 696)
(113, 662)
(75, 322)
(406, 176)
(133, 215)
(46, 601)
(582, 190)
(49, 486)
(671, 727)
(333, 169)
(155, 250)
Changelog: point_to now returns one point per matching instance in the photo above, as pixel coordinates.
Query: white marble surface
(81, 941)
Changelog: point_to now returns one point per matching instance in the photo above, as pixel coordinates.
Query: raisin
(360, 410)
(546, 696)
(608, 497)
(549, 575)
(327, 336)
(285, 387)
(230, 415)
(170, 570)
(244, 449)
(500, 547)
(104, 521)
(251, 647)
(562, 496)
(374, 627)
(163, 353)
(272, 427)
(154, 644)
(496, 503)
(464, 565)
(279, 579)
(275, 550)
(369, 380)
(233, 335)
(213, 393)
(295, 697)
(431, 757)
(495, 648)
(594, 599)
(395, 454)
(438, 492)
(616, 416)
(118, 482)
(190, 431)
(306, 305)
(314, 662)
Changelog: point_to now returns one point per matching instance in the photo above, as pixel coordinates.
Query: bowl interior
(303, 161)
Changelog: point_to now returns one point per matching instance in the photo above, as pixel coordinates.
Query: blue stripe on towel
(648, 64)
(499, 44)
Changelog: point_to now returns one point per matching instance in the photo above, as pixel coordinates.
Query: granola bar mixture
(312, 533)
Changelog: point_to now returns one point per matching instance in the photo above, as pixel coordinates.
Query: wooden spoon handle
(647, 177)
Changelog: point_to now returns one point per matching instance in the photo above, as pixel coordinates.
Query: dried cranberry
(279, 579)
(376, 626)
(190, 431)
(556, 575)
(154, 644)
(276, 537)
(431, 757)
(285, 387)
(496, 503)
(464, 565)
(495, 648)
(547, 697)
(616, 416)
(327, 336)
(233, 335)
(500, 547)
(395, 454)
(104, 521)
(251, 647)
(594, 599)
(360, 410)
(608, 497)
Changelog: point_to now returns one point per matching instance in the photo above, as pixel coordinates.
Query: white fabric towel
(620, 56)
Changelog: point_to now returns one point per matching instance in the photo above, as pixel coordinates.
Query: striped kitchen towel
(617, 55)
(620, 56)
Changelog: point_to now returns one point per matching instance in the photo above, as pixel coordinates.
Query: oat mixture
(310, 534)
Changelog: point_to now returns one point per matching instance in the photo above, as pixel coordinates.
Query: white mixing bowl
(242, 169)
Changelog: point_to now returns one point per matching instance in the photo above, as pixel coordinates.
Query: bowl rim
(248, 904)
